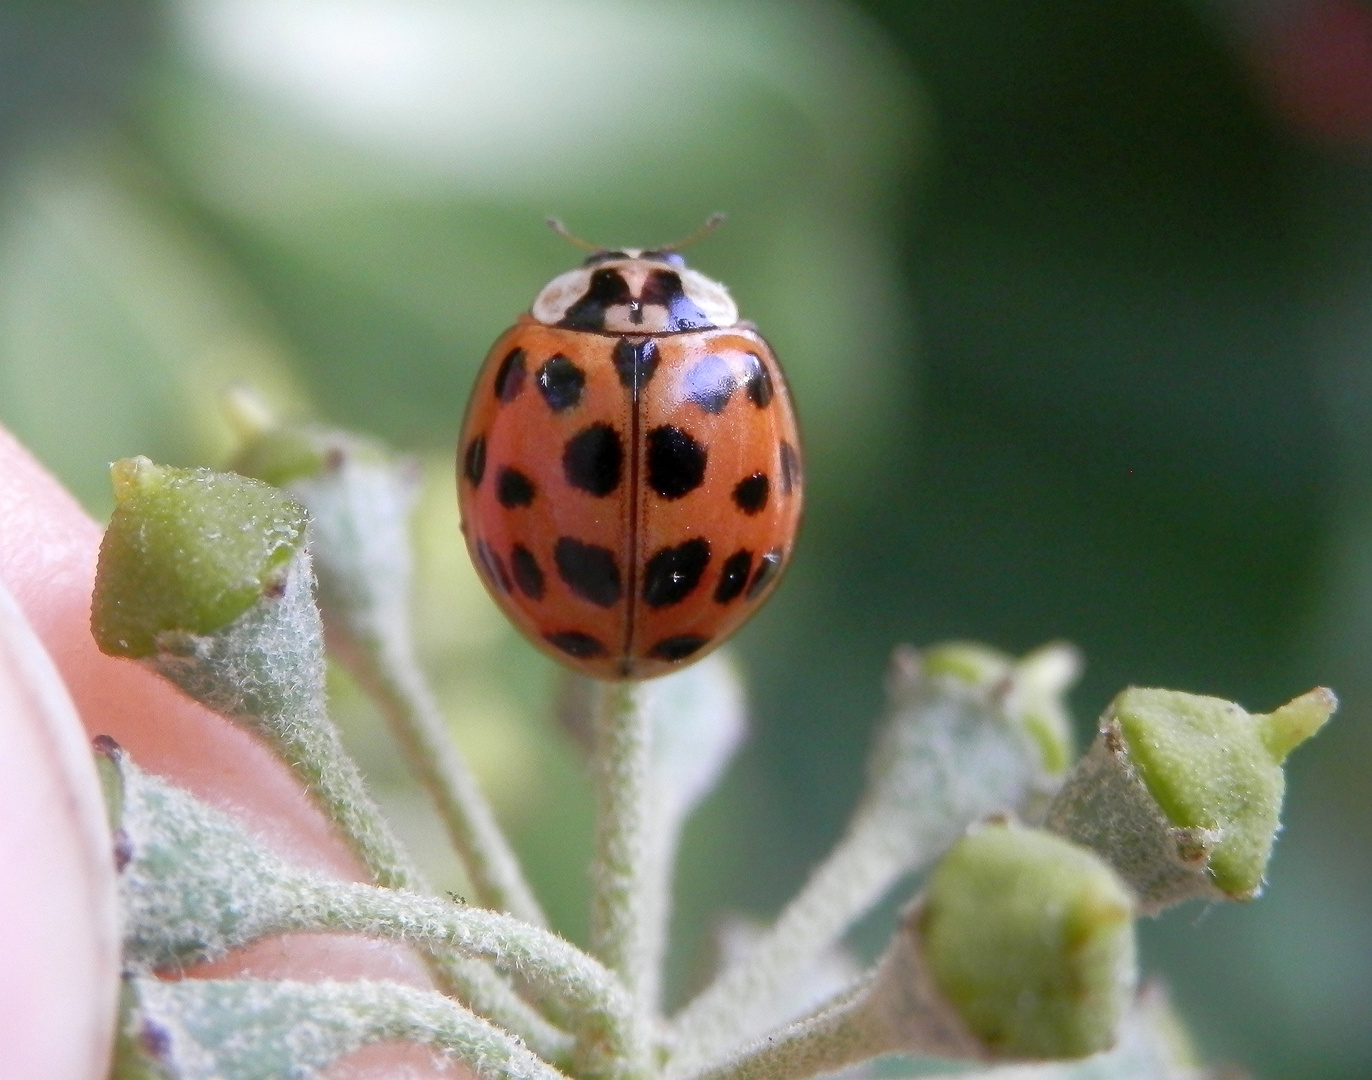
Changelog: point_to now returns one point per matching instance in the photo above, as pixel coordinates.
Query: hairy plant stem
(620, 931)
(265, 671)
(842, 1034)
(386, 667)
(874, 853)
(603, 1012)
(282, 1027)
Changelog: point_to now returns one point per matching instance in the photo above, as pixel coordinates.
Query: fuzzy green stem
(388, 670)
(619, 903)
(359, 498)
(843, 1034)
(232, 674)
(873, 854)
(482, 989)
(603, 1010)
(275, 1028)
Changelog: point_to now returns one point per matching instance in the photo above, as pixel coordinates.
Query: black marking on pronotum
(514, 489)
(494, 565)
(673, 573)
(593, 459)
(528, 575)
(767, 569)
(560, 382)
(509, 377)
(589, 571)
(663, 288)
(607, 289)
(474, 460)
(678, 647)
(759, 382)
(575, 643)
(710, 383)
(790, 468)
(635, 361)
(750, 493)
(676, 462)
(734, 576)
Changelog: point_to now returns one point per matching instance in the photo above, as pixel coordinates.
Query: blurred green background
(1076, 300)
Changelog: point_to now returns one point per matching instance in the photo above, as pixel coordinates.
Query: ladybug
(629, 469)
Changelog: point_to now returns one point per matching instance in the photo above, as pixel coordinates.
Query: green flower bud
(1031, 941)
(1212, 766)
(187, 550)
(1030, 690)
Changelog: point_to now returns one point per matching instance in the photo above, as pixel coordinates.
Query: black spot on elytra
(766, 570)
(678, 647)
(575, 643)
(607, 289)
(663, 287)
(593, 459)
(514, 489)
(509, 378)
(635, 361)
(494, 566)
(474, 460)
(560, 382)
(676, 462)
(673, 573)
(790, 468)
(528, 574)
(750, 494)
(734, 576)
(759, 382)
(710, 383)
(589, 571)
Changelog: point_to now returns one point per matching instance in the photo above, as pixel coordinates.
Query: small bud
(187, 550)
(1183, 793)
(1021, 948)
(1031, 941)
(971, 732)
(359, 495)
(1030, 690)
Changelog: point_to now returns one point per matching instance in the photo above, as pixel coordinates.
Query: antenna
(556, 225)
(713, 222)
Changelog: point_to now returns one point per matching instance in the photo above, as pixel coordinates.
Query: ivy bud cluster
(1020, 946)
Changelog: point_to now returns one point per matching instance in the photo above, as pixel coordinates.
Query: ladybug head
(635, 291)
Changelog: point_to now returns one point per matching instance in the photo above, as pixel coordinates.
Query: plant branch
(619, 874)
(360, 498)
(387, 669)
(864, 865)
(603, 1012)
(266, 672)
(954, 748)
(249, 1029)
(842, 1034)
